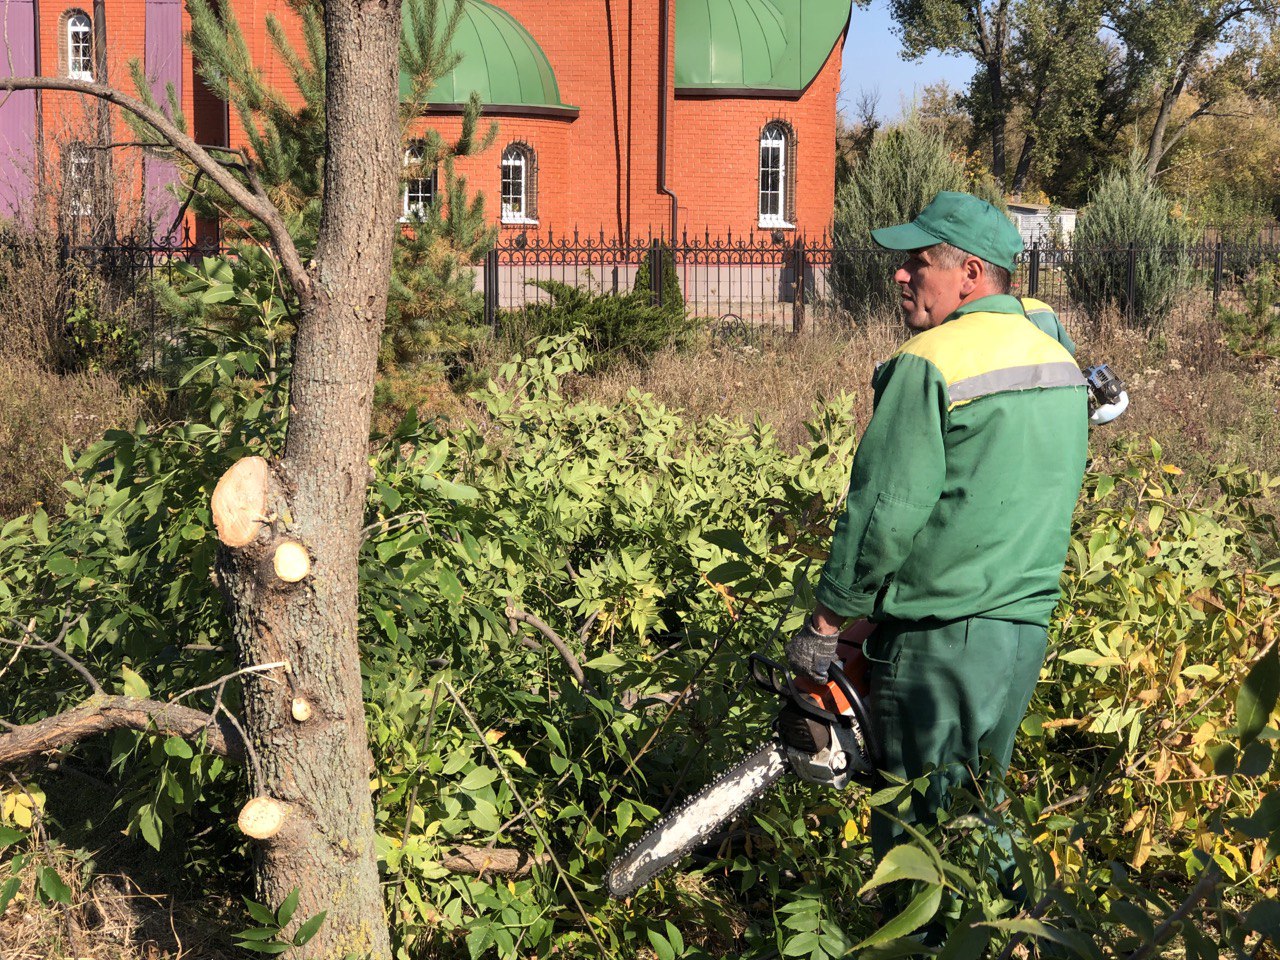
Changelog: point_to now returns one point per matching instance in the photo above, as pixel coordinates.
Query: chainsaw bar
(690, 824)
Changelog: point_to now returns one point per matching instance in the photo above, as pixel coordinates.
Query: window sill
(518, 222)
(775, 225)
(86, 77)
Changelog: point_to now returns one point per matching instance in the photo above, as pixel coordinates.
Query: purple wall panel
(163, 65)
(17, 110)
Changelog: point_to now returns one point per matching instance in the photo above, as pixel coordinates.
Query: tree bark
(995, 87)
(1155, 145)
(319, 766)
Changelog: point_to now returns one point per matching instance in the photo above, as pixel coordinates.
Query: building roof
(500, 60)
(759, 46)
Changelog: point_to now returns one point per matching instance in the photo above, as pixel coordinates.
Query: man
(958, 516)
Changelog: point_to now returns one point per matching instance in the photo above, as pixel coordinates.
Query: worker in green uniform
(957, 521)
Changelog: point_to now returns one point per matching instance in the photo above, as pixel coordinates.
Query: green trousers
(944, 696)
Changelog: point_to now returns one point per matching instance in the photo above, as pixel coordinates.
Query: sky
(873, 62)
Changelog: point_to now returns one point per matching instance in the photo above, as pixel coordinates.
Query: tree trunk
(308, 732)
(995, 87)
(1155, 146)
(1023, 169)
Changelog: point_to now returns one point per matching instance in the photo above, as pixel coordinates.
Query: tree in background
(1126, 210)
(432, 303)
(1212, 51)
(905, 168)
(290, 521)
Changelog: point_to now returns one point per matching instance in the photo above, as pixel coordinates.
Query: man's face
(931, 290)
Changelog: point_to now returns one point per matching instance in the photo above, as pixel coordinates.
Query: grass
(1203, 403)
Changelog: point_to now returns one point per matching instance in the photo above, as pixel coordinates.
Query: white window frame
(516, 157)
(773, 138)
(79, 35)
(417, 210)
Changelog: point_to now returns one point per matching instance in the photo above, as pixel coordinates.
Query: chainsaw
(823, 734)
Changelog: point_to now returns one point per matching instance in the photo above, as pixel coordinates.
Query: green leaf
(449, 586)
(903, 863)
(968, 941)
(272, 947)
(917, 913)
(676, 939)
(730, 540)
(661, 947)
(40, 525)
(260, 912)
(51, 885)
(134, 685)
(1264, 821)
(801, 945)
(259, 933)
(9, 836)
(1257, 696)
(309, 928)
(477, 778)
(9, 891)
(149, 825)
(288, 908)
(177, 747)
(1263, 917)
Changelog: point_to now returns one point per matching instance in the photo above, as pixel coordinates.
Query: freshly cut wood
(240, 501)
(301, 710)
(292, 562)
(262, 818)
(477, 861)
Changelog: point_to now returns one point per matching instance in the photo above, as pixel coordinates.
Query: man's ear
(975, 271)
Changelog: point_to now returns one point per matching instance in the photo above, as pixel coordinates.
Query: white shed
(1035, 221)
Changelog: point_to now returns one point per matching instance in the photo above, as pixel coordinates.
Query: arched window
(777, 175)
(419, 191)
(519, 184)
(79, 50)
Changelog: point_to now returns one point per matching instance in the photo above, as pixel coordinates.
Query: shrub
(616, 326)
(672, 295)
(906, 167)
(1254, 330)
(1126, 209)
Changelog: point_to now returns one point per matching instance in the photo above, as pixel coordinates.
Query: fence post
(1131, 281)
(655, 271)
(799, 263)
(1033, 270)
(490, 284)
(1217, 273)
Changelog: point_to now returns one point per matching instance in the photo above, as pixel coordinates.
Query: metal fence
(764, 286)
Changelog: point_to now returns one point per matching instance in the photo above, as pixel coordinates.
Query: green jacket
(964, 483)
(1042, 315)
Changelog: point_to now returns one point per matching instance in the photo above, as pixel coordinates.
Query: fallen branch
(102, 714)
(515, 614)
(477, 861)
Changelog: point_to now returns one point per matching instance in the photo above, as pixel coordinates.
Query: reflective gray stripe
(1031, 377)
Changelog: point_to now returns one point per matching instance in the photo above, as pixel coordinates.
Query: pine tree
(432, 306)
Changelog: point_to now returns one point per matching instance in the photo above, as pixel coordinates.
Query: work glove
(810, 653)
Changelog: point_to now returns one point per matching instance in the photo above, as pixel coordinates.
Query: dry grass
(1204, 405)
(109, 918)
(777, 379)
(39, 412)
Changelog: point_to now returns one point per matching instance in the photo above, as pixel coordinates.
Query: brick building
(622, 117)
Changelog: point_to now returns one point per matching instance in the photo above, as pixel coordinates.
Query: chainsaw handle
(769, 675)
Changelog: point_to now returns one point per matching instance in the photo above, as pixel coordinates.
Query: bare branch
(257, 207)
(1208, 880)
(516, 614)
(55, 647)
(256, 668)
(101, 714)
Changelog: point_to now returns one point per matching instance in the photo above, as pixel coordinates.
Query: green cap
(961, 220)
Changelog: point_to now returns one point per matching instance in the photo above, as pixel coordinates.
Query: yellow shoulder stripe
(982, 343)
(1032, 305)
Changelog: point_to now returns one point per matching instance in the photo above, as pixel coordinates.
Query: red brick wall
(716, 146)
(598, 171)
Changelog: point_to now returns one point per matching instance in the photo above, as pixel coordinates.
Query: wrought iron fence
(763, 285)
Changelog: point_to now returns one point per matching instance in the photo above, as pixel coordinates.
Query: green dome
(735, 43)
(756, 45)
(500, 60)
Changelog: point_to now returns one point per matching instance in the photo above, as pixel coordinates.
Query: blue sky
(872, 61)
